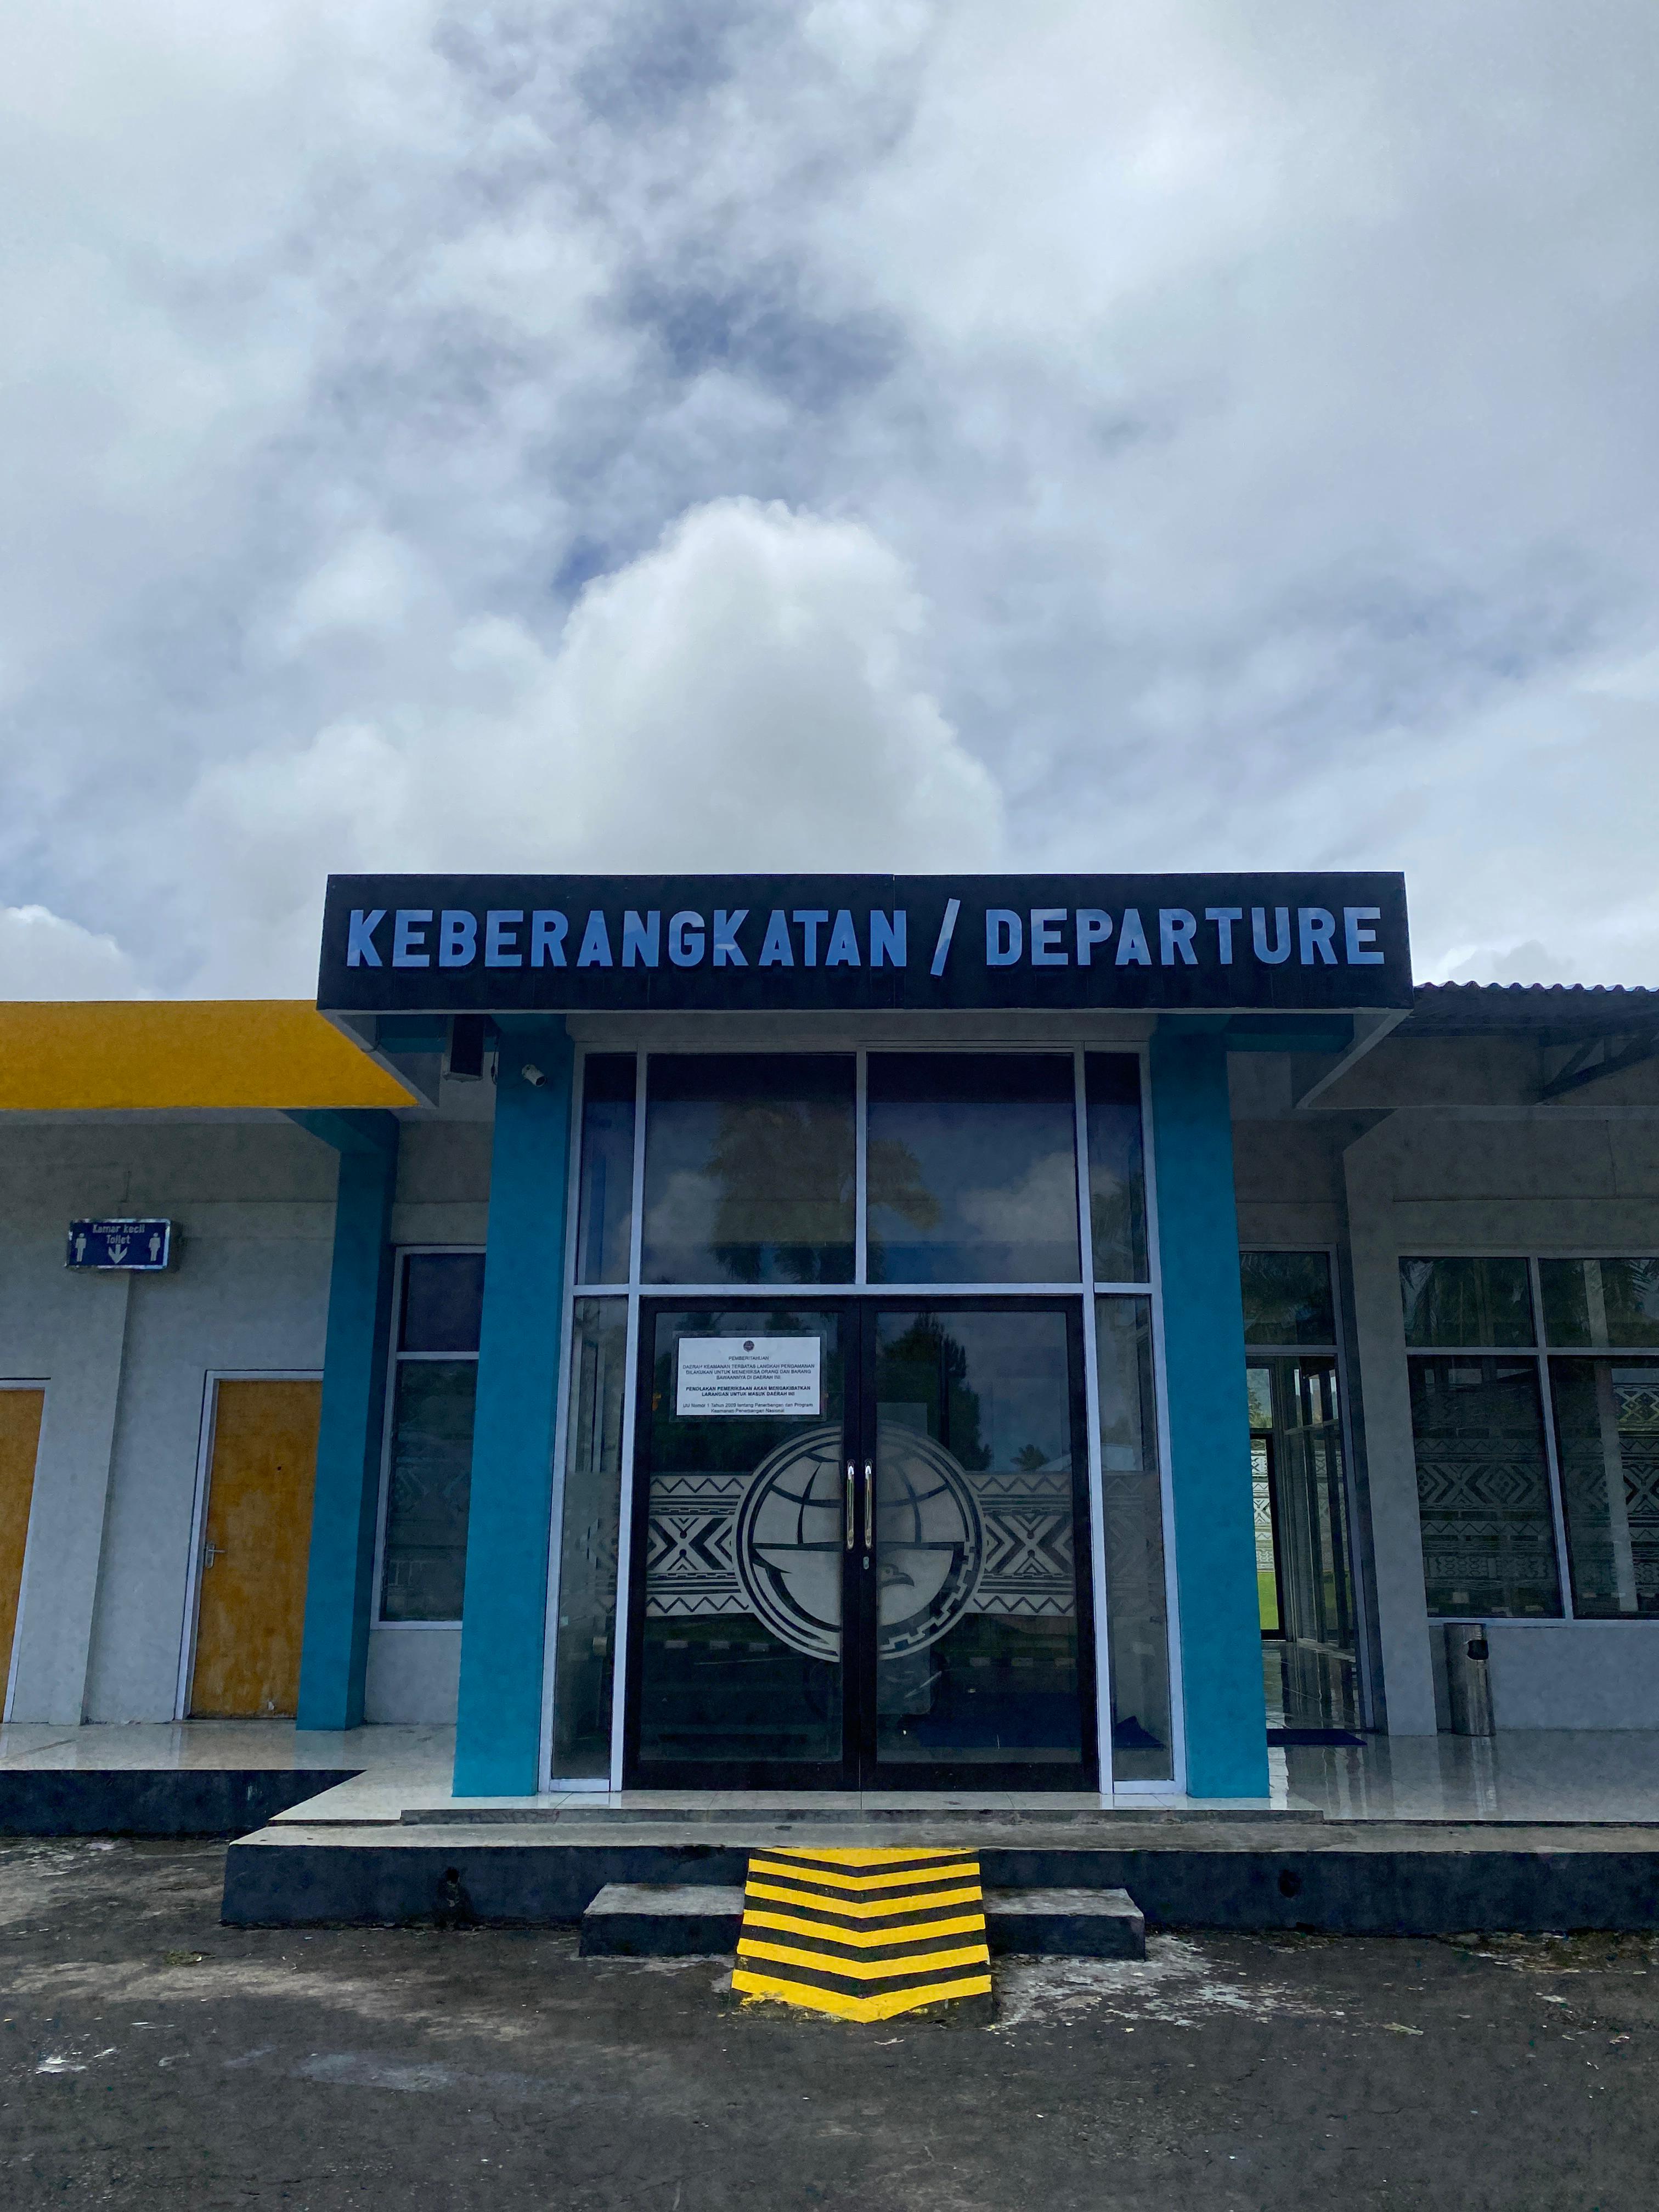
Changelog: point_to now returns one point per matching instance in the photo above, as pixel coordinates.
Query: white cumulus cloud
(751, 693)
(608, 432)
(42, 955)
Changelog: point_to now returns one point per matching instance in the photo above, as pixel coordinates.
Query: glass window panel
(1601, 1302)
(1136, 1613)
(1287, 1297)
(430, 1485)
(443, 1298)
(1117, 1180)
(972, 1168)
(979, 1544)
(586, 1660)
(749, 1168)
(740, 1645)
(1266, 1569)
(1259, 1383)
(1472, 1302)
(1310, 1498)
(1607, 1430)
(1483, 1487)
(604, 1206)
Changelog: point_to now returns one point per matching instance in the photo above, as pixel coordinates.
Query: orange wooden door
(255, 1548)
(20, 1440)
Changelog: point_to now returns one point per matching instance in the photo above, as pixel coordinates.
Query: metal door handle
(869, 1506)
(211, 1553)
(852, 1510)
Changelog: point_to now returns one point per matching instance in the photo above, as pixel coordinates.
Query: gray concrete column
(1402, 1623)
(71, 1493)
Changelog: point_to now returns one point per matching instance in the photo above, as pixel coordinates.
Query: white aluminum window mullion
(193, 1591)
(1092, 1399)
(622, 1623)
(1546, 1414)
(1369, 1696)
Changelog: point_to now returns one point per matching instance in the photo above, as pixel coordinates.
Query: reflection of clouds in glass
(1042, 1204)
(897, 1184)
(681, 1213)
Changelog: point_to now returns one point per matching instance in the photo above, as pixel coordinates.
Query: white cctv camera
(533, 1075)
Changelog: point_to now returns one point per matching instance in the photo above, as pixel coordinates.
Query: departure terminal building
(1026, 1333)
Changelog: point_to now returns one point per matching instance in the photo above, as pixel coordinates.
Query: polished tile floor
(257, 1744)
(1527, 1777)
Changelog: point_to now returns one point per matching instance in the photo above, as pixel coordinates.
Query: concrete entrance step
(1400, 1880)
(666, 1920)
(1064, 1923)
(661, 1920)
(915, 1813)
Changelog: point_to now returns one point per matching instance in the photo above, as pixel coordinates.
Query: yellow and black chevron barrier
(863, 1933)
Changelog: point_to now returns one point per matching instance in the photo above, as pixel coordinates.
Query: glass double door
(859, 1552)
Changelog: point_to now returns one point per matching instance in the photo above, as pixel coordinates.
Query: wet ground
(150, 2057)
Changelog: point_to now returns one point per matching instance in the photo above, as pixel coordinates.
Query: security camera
(533, 1075)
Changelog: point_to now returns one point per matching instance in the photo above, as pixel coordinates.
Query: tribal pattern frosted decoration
(950, 1541)
(1029, 1564)
(688, 1567)
(1483, 1487)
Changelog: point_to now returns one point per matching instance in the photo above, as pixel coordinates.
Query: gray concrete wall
(1441, 1148)
(1584, 1674)
(108, 1579)
(1426, 1148)
(414, 1673)
(125, 1360)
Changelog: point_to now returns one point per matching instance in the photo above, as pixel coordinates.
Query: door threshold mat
(1304, 1738)
(863, 1933)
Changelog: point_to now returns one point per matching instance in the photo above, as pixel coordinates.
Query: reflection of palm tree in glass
(939, 1364)
(783, 1174)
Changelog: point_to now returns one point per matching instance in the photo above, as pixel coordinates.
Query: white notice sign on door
(749, 1375)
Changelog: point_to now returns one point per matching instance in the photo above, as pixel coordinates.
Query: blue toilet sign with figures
(139, 1247)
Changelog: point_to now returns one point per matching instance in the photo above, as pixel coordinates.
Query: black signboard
(507, 944)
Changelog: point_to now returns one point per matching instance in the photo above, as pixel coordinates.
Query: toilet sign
(749, 1375)
(132, 1247)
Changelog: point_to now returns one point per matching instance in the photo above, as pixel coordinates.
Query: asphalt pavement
(150, 2057)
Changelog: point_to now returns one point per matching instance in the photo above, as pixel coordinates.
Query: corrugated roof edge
(1554, 1013)
(1544, 990)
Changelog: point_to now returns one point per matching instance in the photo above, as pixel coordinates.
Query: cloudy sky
(613, 434)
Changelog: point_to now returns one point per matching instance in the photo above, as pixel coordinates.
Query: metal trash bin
(1468, 1678)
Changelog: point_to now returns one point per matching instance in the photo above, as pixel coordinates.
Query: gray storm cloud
(615, 435)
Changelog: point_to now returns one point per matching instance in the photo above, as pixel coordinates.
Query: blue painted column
(339, 1591)
(1209, 1414)
(504, 1612)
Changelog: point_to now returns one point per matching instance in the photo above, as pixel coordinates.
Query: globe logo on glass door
(788, 1538)
(930, 1539)
(786, 1542)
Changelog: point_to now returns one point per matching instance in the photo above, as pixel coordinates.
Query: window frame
(1541, 1351)
(402, 1254)
(1085, 1290)
(1363, 1673)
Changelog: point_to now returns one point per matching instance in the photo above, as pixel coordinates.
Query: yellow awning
(152, 1054)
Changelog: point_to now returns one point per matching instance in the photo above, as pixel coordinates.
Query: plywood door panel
(20, 1442)
(255, 1548)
